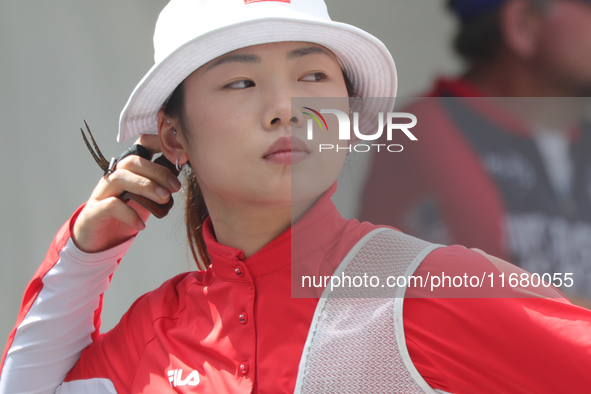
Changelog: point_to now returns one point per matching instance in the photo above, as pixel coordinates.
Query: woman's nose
(293, 120)
(280, 112)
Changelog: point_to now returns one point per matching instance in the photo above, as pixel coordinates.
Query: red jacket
(235, 327)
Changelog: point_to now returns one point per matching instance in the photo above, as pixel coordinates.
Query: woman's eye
(242, 84)
(314, 77)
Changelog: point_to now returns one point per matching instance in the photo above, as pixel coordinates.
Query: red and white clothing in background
(479, 176)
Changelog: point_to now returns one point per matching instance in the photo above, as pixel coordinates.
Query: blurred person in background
(511, 176)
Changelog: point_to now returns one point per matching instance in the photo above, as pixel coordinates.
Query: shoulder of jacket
(169, 299)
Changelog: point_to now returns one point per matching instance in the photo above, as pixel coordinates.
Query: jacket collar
(317, 228)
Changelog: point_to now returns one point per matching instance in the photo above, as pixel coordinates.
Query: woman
(219, 98)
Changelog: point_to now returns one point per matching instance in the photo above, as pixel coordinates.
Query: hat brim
(364, 58)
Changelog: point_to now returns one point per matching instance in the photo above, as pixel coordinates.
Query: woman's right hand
(106, 221)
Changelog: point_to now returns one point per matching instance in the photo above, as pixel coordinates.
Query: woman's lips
(287, 151)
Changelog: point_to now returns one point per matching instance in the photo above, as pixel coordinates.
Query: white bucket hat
(190, 33)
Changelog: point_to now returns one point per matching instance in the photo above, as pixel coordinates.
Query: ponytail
(195, 214)
(195, 209)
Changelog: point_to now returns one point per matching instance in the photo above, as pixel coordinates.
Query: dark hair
(195, 209)
(479, 38)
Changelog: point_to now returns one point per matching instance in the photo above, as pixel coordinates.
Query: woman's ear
(520, 27)
(172, 143)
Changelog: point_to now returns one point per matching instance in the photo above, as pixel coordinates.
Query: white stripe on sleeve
(90, 386)
(60, 322)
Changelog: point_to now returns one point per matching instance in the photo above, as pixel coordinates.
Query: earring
(176, 165)
(173, 130)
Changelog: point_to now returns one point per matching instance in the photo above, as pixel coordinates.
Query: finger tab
(158, 210)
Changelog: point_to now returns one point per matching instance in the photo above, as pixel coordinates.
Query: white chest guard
(356, 344)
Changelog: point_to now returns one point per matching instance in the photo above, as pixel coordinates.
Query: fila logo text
(175, 377)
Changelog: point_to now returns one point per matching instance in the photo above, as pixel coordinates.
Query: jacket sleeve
(59, 315)
(510, 340)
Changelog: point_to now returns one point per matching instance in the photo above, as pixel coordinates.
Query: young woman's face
(246, 142)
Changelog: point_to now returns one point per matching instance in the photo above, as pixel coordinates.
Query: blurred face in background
(564, 44)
